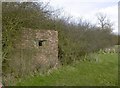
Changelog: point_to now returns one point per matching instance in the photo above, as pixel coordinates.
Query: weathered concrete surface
(31, 55)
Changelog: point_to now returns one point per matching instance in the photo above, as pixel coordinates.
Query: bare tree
(103, 21)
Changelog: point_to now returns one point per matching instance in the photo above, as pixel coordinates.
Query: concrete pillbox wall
(37, 50)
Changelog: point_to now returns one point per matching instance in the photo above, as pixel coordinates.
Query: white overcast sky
(87, 9)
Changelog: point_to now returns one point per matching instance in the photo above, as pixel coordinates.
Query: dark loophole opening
(40, 42)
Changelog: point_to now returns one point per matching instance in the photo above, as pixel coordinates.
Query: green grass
(83, 73)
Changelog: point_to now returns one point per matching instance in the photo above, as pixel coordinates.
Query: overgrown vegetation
(94, 73)
(75, 39)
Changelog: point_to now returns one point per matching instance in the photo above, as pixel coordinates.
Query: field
(81, 47)
(103, 72)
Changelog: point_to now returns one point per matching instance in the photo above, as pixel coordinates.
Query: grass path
(84, 73)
